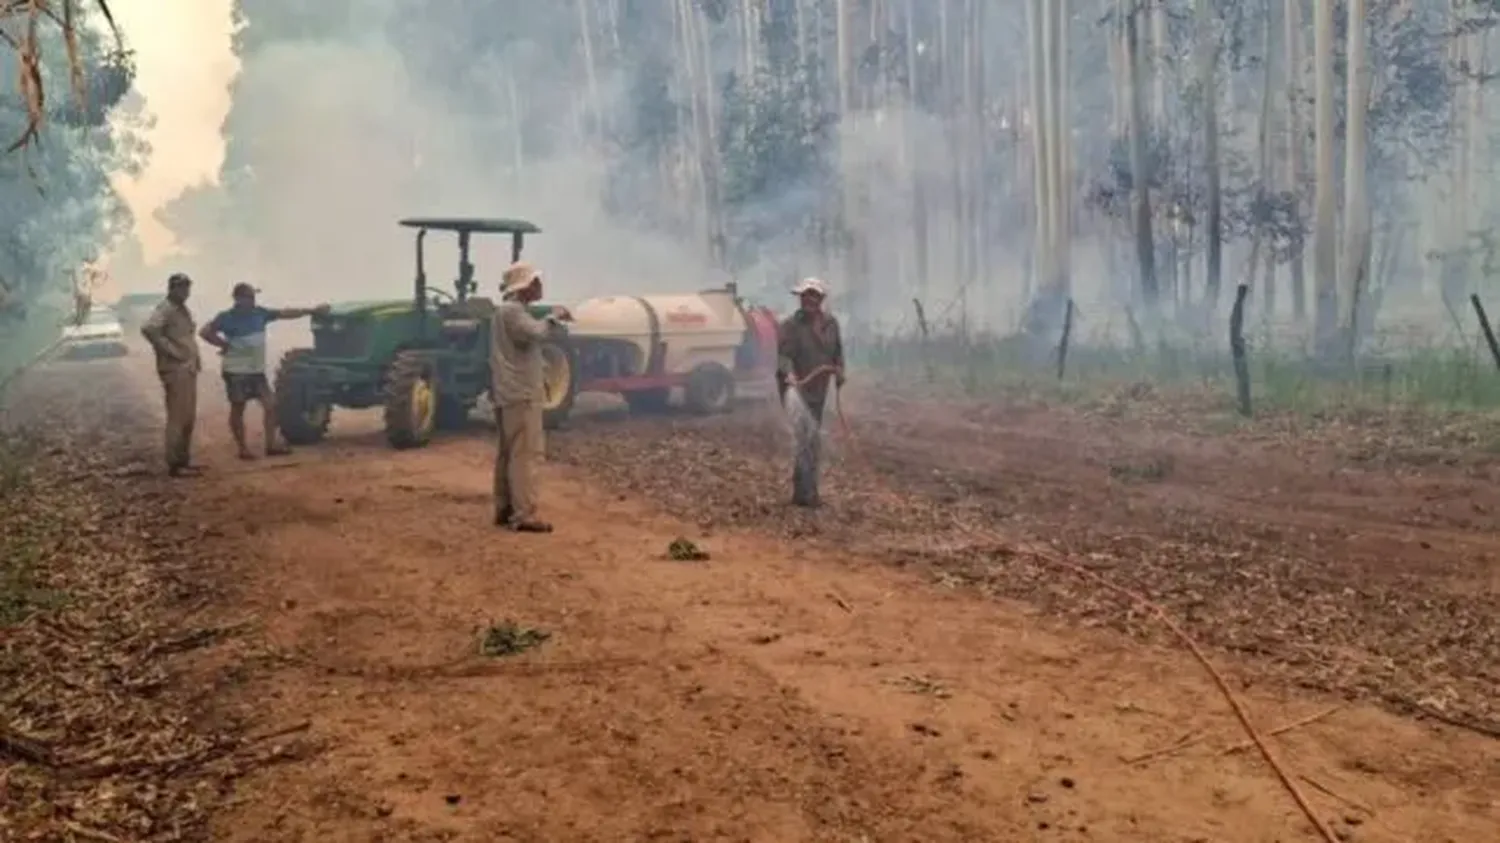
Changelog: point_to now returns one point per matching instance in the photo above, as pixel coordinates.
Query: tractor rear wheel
(411, 400)
(559, 382)
(710, 389)
(301, 412)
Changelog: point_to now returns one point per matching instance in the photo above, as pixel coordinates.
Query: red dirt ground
(866, 673)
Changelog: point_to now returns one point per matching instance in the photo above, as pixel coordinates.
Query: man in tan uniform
(518, 392)
(170, 330)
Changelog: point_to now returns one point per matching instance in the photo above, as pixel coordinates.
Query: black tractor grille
(346, 339)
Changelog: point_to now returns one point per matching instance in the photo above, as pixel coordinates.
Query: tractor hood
(373, 307)
(390, 307)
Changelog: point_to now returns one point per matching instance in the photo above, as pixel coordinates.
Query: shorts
(243, 388)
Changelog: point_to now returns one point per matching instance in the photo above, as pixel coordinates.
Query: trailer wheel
(710, 389)
(647, 401)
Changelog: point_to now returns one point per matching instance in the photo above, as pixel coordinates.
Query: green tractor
(425, 360)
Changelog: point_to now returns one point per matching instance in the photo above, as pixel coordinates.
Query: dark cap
(178, 279)
(243, 289)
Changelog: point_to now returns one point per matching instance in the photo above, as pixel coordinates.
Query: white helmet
(811, 285)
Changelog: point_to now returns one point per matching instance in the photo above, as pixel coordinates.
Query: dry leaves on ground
(920, 482)
(100, 738)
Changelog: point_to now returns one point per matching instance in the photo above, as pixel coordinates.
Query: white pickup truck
(98, 335)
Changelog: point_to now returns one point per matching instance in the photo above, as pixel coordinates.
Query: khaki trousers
(522, 446)
(180, 387)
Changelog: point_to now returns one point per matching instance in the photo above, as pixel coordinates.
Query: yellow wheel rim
(422, 405)
(557, 377)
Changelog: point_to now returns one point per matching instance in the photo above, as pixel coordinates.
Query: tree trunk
(1057, 136)
(1158, 62)
(920, 236)
(1292, 34)
(1356, 205)
(1040, 146)
(1145, 246)
(1208, 59)
(1325, 260)
(591, 68)
(1264, 180)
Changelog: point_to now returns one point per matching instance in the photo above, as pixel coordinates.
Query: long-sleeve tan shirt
(174, 337)
(516, 339)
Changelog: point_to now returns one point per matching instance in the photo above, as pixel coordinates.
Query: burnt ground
(307, 648)
(1359, 557)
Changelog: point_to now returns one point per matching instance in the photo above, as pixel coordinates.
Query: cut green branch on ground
(683, 550)
(509, 638)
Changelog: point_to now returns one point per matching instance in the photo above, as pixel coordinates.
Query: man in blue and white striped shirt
(240, 335)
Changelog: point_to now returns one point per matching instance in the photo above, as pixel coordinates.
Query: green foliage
(57, 205)
(775, 153)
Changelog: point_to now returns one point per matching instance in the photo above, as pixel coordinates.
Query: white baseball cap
(811, 285)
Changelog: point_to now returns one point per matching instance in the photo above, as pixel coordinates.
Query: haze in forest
(941, 151)
(184, 65)
(332, 139)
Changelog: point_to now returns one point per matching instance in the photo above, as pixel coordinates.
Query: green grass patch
(1438, 379)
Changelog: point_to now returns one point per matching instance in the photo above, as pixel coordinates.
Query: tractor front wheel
(411, 400)
(302, 412)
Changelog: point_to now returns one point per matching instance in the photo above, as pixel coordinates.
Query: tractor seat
(459, 327)
(463, 318)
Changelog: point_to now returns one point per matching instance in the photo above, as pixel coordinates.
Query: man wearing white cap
(810, 353)
(518, 391)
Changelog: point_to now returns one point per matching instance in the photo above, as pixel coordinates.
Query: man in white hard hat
(518, 391)
(810, 355)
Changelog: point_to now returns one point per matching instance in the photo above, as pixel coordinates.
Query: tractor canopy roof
(473, 224)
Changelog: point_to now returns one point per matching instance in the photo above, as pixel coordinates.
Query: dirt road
(779, 691)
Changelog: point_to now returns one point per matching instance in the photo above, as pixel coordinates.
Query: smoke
(332, 139)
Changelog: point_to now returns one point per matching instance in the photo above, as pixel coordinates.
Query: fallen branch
(1476, 728)
(1325, 790)
(197, 638)
(1051, 558)
(90, 833)
(1281, 730)
(25, 748)
(1187, 739)
(293, 729)
(1218, 678)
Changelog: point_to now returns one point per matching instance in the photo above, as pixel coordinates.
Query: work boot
(531, 527)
